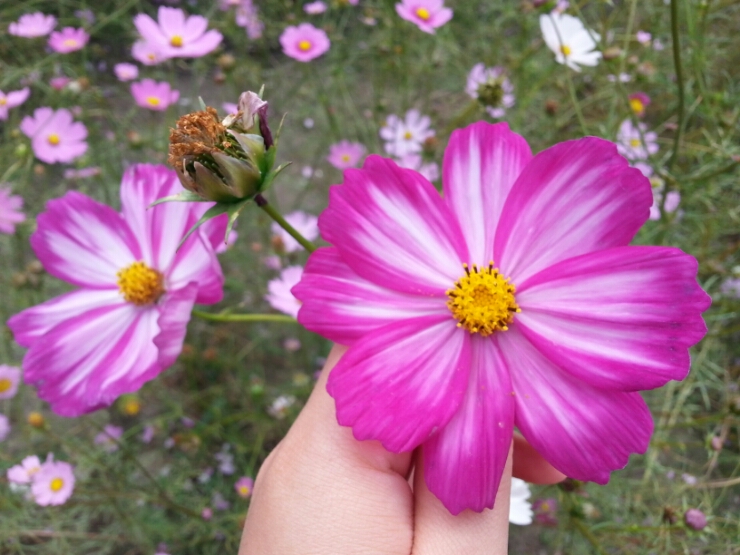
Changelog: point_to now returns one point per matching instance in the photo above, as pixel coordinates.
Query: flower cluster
(49, 483)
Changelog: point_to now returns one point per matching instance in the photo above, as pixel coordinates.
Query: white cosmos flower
(571, 42)
(520, 510)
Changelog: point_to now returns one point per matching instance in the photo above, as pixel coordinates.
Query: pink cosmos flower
(126, 322)
(108, 438)
(430, 170)
(672, 199)
(492, 88)
(314, 8)
(176, 36)
(406, 136)
(546, 511)
(68, 40)
(53, 483)
(126, 72)
(4, 427)
(24, 472)
(55, 136)
(345, 154)
(427, 15)
(10, 210)
(33, 25)
(304, 223)
(643, 37)
(59, 82)
(638, 102)
(278, 291)
(244, 486)
(731, 287)
(248, 17)
(304, 42)
(10, 377)
(636, 142)
(147, 53)
(449, 350)
(154, 95)
(11, 100)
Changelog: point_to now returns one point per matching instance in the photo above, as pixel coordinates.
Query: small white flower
(520, 510)
(406, 136)
(571, 42)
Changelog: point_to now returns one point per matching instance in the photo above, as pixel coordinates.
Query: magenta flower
(154, 95)
(345, 154)
(147, 53)
(304, 223)
(10, 377)
(126, 322)
(244, 487)
(638, 102)
(53, 484)
(449, 350)
(427, 15)
(59, 82)
(33, 25)
(546, 511)
(126, 72)
(491, 88)
(24, 472)
(278, 291)
(68, 40)
(11, 100)
(304, 42)
(176, 36)
(55, 136)
(10, 211)
(406, 136)
(4, 427)
(635, 142)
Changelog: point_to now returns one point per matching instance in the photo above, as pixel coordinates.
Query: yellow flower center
(423, 13)
(634, 143)
(56, 484)
(53, 139)
(544, 506)
(408, 136)
(36, 419)
(141, 285)
(176, 41)
(151, 57)
(5, 384)
(70, 43)
(483, 300)
(243, 491)
(345, 157)
(565, 49)
(132, 407)
(152, 101)
(3, 101)
(304, 45)
(637, 106)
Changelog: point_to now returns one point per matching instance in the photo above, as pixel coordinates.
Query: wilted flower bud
(612, 53)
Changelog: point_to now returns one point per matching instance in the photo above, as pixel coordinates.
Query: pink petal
(173, 323)
(622, 318)
(573, 198)
(342, 306)
(582, 431)
(171, 20)
(204, 45)
(463, 463)
(392, 228)
(481, 163)
(84, 242)
(402, 382)
(196, 262)
(148, 29)
(194, 26)
(34, 322)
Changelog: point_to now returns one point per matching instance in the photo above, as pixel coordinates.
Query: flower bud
(695, 519)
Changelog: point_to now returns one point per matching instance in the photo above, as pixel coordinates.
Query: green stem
(574, 99)
(244, 317)
(679, 83)
(275, 215)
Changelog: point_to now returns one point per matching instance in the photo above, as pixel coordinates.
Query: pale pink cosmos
(126, 321)
(55, 136)
(304, 42)
(427, 15)
(345, 154)
(278, 291)
(10, 210)
(33, 25)
(638, 102)
(491, 88)
(154, 95)
(126, 72)
(406, 136)
(731, 287)
(24, 472)
(635, 142)
(11, 100)
(10, 377)
(599, 320)
(174, 35)
(147, 53)
(430, 170)
(314, 8)
(59, 82)
(244, 487)
(109, 438)
(68, 40)
(304, 223)
(247, 16)
(4, 427)
(672, 199)
(643, 37)
(53, 484)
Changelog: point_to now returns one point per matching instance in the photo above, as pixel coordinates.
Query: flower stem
(679, 83)
(576, 105)
(275, 215)
(244, 317)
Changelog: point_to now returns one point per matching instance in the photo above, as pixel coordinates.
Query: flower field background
(168, 468)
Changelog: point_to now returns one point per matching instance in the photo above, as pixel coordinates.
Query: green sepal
(231, 208)
(272, 174)
(184, 196)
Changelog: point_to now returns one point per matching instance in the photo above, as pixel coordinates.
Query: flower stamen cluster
(140, 285)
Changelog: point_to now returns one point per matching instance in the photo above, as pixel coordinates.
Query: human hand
(322, 492)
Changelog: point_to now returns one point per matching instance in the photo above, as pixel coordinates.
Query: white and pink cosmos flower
(24, 472)
(146, 53)
(174, 35)
(304, 42)
(635, 142)
(126, 321)
(427, 15)
(32, 25)
(55, 136)
(345, 154)
(126, 72)
(10, 210)
(511, 300)
(407, 135)
(154, 95)
(492, 88)
(10, 378)
(12, 100)
(68, 40)
(278, 291)
(53, 483)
